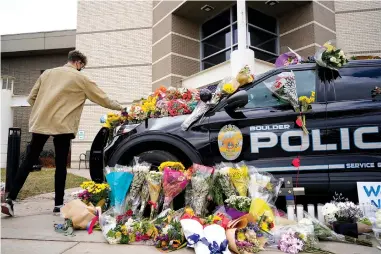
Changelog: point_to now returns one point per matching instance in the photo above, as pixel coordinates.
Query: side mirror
(237, 100)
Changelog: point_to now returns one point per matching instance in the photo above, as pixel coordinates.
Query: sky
(28, 16)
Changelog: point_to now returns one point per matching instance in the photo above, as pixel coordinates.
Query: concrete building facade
(135, 46)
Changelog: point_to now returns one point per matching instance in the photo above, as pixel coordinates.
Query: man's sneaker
(7, 207)
(57, 208)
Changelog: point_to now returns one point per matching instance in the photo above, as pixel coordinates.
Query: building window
(220, 37)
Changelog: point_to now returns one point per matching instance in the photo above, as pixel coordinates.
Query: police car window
(261, 96)
(357, 83)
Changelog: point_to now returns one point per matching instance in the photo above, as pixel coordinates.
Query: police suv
(343, 145)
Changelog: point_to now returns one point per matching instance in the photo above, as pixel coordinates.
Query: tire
(156, 157)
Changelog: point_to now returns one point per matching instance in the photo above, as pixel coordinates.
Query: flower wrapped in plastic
(95, 194)
(200, 186)
(239, 176)
(240, 203)
(140, 170)
(222, 176)
(198, 112)
(297, 238)
(249, 239)
(264, 185)
(154, 180)
(245, 76)
(323, 233)
(288, 58)
(174, 182)
(170, 236)
(330, 59)
(120, 180)
(173, 165)
(144, 198)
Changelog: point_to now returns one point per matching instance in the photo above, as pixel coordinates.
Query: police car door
(271, 139)
(354, 127)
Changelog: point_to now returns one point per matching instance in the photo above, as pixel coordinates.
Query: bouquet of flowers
(135, 112)
(244, 76)
(240, 203)
(340, 209)
(173, 165)
(239, 176)
(170, 237)
(249, 239)
(330, 59)
(289, 58)
(305, 105)
(94, 193)
(264, 185)
(133, 232)
(222, 176)
(120, 180)
(323, 233)
(174, 182)
(200, 187)
(154, 180)
(144, 197)
(198, 112)
(140, 171)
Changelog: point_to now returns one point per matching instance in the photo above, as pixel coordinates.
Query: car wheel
(156, 157)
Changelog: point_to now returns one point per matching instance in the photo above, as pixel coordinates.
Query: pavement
(31, 231)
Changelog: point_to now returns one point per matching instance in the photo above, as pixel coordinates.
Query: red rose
(129, 213)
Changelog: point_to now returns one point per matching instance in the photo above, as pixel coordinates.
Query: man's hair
(75, 55)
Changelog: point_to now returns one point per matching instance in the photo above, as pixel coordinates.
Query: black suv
(343, 145)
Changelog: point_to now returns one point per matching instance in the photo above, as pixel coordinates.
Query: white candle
(299, 212)
(311, 210)
(290, 212)
(320, 213)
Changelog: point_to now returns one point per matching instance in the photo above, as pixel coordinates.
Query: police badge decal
(230, 142)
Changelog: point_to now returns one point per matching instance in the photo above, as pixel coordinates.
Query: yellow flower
(313, 94)
(241, 236)
(329, 47)
(302, 98)
(173, 165)
(228, 88)
(118, 234)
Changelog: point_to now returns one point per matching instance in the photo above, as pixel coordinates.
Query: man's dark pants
(62, 147)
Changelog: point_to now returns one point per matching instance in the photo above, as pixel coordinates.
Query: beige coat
(58, 98)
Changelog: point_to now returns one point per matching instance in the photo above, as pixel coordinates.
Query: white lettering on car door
(285, 141)
(256, 143)
(344, 134)
(318, 146)
(358, 138)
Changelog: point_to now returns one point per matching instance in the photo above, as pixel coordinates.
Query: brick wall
(27, 69)
(116, 36)
(175, 46)
(358, 27)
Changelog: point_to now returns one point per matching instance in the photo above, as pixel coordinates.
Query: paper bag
(79, 213)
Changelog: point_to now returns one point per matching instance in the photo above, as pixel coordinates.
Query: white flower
(339, 65)
(341, 53)
(166, 229)
(129, 223)
(333, 59)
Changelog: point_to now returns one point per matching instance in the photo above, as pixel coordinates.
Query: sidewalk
(31, 231)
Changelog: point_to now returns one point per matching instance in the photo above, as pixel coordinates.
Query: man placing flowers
(57, 101)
